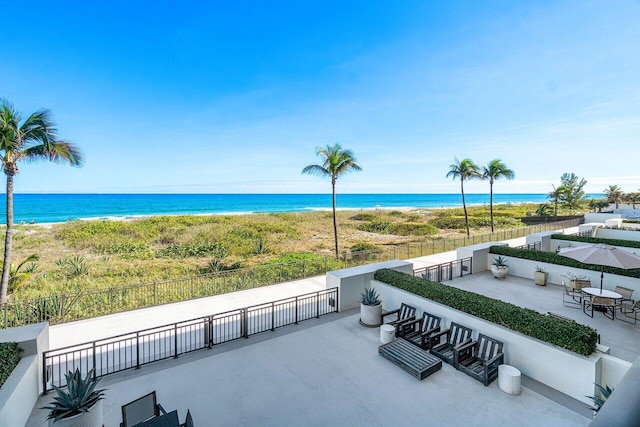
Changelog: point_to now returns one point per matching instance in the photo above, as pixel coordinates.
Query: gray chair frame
(419, 331)
(626, 309)
(480, 359)
(405, 313)
(455, 336)
(571, 298)
(606, 304)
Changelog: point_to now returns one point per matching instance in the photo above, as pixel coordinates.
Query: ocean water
(43, 208)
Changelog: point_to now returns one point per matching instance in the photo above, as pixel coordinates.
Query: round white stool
(387, 333)
(509, 379)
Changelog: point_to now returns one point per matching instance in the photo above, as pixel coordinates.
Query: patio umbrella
(603, 255)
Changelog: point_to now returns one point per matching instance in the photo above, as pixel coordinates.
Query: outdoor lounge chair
(141, 410)
(606, 305)
(480, 359)
(419, 331)
(403, 314)
(453, 337)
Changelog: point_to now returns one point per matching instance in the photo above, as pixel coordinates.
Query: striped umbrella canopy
(603, 255)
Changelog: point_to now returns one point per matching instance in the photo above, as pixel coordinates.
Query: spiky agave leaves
(79, 397)
(600, 400)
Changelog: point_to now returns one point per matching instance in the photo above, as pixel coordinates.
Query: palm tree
(555, 195)
(494, 171)
(464, 169)
(35, 139)
(336, 162)
(632, 198)
(613, 194)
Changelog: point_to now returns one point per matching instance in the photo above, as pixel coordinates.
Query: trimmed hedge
(613, 242)
(553, 258)
(9, 358)
(572, 336)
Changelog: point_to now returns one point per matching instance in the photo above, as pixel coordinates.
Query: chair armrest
(430, 331)
(404, 322)
(462, 344)
(411, 322)
(161, 409)
(439, 334)
(387, 313)
(497, 358)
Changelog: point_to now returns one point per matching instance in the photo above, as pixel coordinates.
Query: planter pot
(541, 278)
(371, 315)
(92, 418)
(499, 272)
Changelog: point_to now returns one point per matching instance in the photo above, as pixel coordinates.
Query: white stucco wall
(352, 281)
(610, 233)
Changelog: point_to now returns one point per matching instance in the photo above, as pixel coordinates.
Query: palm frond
(316, 170)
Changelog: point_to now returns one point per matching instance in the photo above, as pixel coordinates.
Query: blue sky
(233, 97)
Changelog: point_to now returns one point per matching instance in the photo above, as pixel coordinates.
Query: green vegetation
(573, 336)
(553, 258)
(586, 239)
(80, 395)
(9, 358)
(32, 140)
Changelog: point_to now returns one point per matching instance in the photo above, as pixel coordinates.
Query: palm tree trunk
(464, 206)
(335, 225)
(491, 202)
(6, 266)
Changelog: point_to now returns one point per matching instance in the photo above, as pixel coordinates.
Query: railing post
(273, 316)
(154, 293)
(95, 368)
(110, 300)
(137, 350)
(175, 340)
(44, 372)
(245, 322)
(317, 305)
(296, 310)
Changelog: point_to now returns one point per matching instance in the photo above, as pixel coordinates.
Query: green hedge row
(553, 258)
(9, 358)
(612, 242)
(573, 336)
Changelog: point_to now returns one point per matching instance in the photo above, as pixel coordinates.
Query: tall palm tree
(632, 198)
(32, 140)
(614, 194)
(464, 169)
(336, 162)
(494, 171)
(555, 195)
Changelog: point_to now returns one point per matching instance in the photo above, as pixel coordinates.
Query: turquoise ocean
(43, 208)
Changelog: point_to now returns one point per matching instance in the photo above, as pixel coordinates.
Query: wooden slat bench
(416, 361)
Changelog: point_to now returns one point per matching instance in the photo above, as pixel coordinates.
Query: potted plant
(540, 276)
(370, 308)
(499, 267)
(79, 405)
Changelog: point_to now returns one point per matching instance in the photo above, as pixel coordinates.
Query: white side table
(387, 333)
(509, 379)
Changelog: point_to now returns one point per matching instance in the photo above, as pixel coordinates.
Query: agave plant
(500, 262)
(370, 297)
(80, 396)
(598, 400)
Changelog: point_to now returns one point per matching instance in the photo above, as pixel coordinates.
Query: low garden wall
(563, 370)
(613, 233)
(20, 392)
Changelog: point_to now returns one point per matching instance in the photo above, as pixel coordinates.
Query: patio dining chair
(606, 305)
(629, 310)
(571, 297)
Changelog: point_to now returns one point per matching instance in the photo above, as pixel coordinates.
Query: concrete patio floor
(323, 372)
(621, 337)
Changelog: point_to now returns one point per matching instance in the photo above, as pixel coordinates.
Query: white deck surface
(323, 372)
